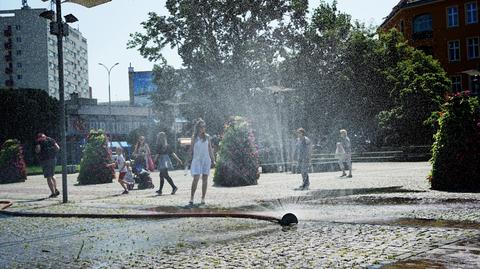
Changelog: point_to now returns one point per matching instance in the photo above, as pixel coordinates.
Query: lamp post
(109, 96)
(60, 29)
(175, 114)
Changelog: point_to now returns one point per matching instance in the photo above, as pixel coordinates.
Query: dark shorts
(121, 175)
(48, 167)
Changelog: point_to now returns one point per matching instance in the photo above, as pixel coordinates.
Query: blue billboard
(143, 83)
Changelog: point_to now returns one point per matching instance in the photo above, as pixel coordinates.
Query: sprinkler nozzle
(288, 219)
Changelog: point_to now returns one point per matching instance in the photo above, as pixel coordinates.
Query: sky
(107, 28)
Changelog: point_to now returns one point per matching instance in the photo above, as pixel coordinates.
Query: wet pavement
(384, 217)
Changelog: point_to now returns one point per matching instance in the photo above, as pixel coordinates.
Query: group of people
(201, 156)
(303, 153)
(201, 160)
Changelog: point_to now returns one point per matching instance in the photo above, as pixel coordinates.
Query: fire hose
(287, 219)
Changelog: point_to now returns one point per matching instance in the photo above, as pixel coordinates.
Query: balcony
(422, 35)
(8, 45)
(9, 83)
(7, 32)
(8, 71)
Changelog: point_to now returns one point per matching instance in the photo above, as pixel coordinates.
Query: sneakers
(343, 175)
(159, 192)
(349, 176)
(55, 194)
(302, 188)
(190, 204)
(202, 203)
(125, 192)
(174, 190)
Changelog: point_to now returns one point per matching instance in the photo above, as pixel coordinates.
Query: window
(473, 47)
(19, 76)
(471, 12)
(456, 83)
(475, 84)
(19, 39)
(19, 65)
(454, 51)
(452, 16)
(402, 26)
(19, 52)
(17, 27)
(422, 23)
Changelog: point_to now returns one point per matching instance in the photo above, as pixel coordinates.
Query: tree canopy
(344, 74)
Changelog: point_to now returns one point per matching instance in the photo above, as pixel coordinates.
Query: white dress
(201, 161)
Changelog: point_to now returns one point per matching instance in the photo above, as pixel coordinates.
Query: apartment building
(449, 30)
(29, 55)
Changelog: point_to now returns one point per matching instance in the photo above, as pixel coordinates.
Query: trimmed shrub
(237, 159)
(456, 151)
(95, 165)
(12, 164)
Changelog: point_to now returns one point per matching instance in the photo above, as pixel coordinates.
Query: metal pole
(109, 96)
(61, 93)
(175, 127)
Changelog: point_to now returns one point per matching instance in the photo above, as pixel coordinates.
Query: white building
(29, 55)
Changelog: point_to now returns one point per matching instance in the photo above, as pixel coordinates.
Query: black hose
(286, 220)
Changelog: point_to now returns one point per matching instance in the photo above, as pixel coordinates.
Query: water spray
(287, 220)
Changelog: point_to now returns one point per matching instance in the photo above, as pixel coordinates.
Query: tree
(26, 112)
(418, 86)
(95, 166)
(237, 162)
(12, 165)
(227, 47)
(455, 159)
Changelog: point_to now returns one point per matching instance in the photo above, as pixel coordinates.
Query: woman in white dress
(201, 153)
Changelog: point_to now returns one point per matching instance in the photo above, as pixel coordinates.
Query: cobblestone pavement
(385, 215)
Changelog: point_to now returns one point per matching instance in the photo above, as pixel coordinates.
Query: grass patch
(37, 170)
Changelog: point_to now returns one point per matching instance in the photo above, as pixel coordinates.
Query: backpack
(48, 149)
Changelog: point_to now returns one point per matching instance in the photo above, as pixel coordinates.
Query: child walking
(164, 163)
(129, 175)
(122, 169)
(201, 153)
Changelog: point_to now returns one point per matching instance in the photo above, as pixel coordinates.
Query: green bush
(237, 161)
(456, 151)
(95, 165)
(27, 112)
(12, 165)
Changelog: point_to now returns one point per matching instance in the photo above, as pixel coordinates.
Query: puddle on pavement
(340, 206)
(415, 264)
(435, 223)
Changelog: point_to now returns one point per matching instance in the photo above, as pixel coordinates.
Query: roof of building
(405, 4)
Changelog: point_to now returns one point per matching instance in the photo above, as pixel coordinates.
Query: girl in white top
(122, 169)
(201, 153)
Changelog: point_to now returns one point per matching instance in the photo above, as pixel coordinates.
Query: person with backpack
(46, 149)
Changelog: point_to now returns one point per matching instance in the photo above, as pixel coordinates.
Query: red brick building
(449, 30)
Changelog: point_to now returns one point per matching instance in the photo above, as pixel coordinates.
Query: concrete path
(384, 215)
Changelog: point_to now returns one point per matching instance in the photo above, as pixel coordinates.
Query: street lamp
(175, 115)
(60, 29)
(109, 99)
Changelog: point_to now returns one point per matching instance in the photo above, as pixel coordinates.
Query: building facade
(29, 55)
(118, 120)
(449, 30)
(85, 114)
